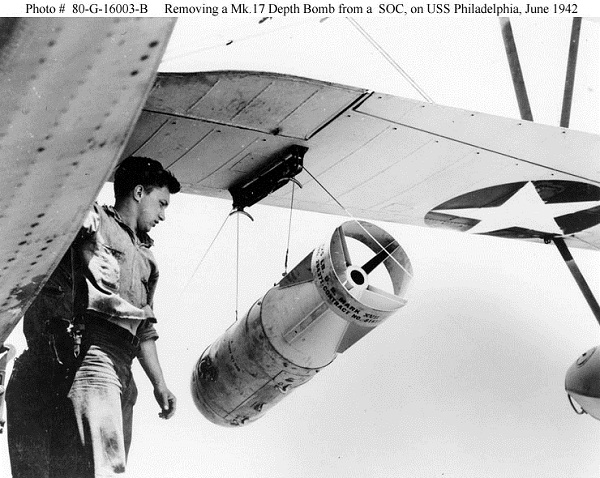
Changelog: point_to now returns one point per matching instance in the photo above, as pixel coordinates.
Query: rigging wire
(240, 39)
(206, 253)
(237, 260)
(287, 251)
(349, 214)
(390, 59)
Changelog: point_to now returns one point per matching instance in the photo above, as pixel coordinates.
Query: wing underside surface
(381, 157)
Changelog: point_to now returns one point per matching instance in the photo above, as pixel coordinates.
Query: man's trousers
(76, 421)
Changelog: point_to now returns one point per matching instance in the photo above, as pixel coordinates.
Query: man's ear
(138, 192)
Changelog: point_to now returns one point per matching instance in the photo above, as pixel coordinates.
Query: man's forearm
(148, 357)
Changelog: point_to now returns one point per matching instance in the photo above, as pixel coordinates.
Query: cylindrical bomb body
(241, 374)
(322, 307)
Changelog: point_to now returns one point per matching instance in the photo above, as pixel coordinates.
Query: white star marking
(525, 209)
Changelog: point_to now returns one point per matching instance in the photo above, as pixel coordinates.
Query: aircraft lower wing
(72, 90)
(378, 156)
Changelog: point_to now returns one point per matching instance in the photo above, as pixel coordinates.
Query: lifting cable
(390, 59)
(237, 266)
(349, 214)
(287, 250)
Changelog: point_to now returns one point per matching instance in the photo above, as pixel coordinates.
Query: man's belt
(94, 323)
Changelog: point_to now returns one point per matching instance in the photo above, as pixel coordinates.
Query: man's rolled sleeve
(146, 331)
(149, 313)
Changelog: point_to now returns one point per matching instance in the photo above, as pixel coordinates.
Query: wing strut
(564, 122)
(515, 69)
(525, 110)
(578, 276)
(570, 79)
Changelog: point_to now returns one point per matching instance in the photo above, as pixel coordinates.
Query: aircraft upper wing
(72, 90)
(376, 156)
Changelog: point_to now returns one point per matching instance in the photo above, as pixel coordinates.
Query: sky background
(467, 380)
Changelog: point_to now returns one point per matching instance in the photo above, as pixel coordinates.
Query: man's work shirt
(116, 272)
(119, 269)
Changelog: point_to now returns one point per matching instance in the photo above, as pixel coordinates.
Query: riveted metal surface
(71, 91)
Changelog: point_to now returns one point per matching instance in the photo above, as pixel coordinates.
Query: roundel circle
(526, 209)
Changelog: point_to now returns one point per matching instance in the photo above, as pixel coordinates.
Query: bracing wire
(237, 260)
(287, 250)
(224, 43)
(205, 253)
(349, 214)
(390, 59)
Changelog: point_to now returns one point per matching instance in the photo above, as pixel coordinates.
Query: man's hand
(167, 402)
(148, 358)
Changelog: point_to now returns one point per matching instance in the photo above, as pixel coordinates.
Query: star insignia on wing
(524, 209)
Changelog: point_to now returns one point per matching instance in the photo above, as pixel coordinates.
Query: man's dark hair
(136, 170)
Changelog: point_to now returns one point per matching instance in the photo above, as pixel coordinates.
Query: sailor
(71, 395)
